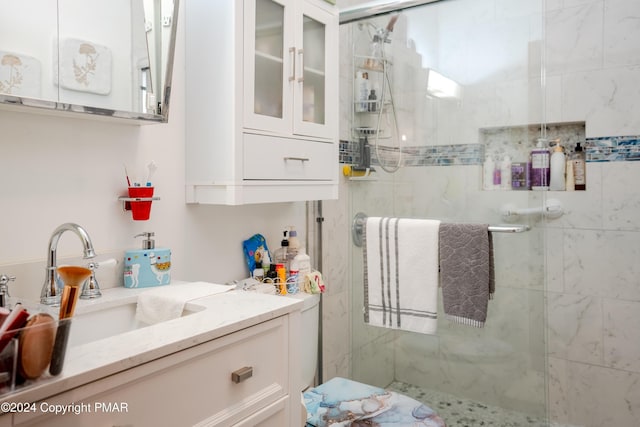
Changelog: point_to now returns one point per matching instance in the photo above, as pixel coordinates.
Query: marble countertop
(213, 317)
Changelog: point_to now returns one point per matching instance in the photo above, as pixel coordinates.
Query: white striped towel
(401, 273)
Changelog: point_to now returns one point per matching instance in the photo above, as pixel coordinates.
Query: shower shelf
(378, 106)
(362, 60)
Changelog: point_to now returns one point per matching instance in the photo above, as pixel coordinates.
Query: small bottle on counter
(280, 255)
(302, 265)
(294, 245)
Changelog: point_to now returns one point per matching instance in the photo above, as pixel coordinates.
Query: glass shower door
(471, 375)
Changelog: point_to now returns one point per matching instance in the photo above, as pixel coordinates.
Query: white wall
(61, 169)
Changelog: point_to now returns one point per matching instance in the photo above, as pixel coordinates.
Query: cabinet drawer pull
(242, 374)
(301, 78)
(292, 55)
(301, 159)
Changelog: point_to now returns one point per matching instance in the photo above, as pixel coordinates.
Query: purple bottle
(540, 170)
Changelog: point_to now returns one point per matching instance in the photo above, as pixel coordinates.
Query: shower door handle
(301, 55)
(292, 56)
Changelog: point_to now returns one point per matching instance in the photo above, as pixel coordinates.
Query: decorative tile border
(613, 149)
(438, 155)
(602, 149)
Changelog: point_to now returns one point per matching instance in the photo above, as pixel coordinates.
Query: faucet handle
(4, 280)
(4, 288)
(90, 287)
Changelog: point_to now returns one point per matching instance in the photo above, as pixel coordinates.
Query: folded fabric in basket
(401, 273)
(167, 302)
(466, 272)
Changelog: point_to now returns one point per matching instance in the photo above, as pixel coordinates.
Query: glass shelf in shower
(366, 63)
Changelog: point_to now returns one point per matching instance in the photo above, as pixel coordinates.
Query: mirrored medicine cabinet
(98, 58)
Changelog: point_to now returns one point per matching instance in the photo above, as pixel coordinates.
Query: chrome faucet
(51, 292)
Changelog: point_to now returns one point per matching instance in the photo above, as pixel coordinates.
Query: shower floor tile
(458, 412)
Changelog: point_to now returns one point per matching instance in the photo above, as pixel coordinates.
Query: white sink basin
(112, 319)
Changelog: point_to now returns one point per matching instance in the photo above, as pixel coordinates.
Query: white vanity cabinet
(261, 101)
(245, 378)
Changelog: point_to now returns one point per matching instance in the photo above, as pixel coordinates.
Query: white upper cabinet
(262, 101)
(289, 73)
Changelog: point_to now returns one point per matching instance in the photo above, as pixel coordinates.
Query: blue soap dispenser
(149, 266)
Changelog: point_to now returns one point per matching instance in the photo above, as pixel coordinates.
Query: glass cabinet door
(289, 46)
(267, 38)
(315, 86)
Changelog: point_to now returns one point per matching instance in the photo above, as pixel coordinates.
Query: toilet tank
(309, 350)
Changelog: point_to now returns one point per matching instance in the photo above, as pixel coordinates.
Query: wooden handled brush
(73, 278)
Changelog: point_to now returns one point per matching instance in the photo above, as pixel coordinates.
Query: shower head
(392, 23)
(382, 34)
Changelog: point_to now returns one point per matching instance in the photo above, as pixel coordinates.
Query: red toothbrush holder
(141, 207)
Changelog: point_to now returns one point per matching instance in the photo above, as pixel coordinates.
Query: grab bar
(359, 220)
(552, 209)
(517, 228)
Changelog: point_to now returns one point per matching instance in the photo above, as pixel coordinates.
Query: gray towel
(466, 272)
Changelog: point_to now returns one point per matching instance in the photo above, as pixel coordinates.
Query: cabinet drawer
(284, 159)
(274, 415)
(192, 387)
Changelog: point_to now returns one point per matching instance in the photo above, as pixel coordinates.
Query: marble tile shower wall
(593, 298)
(593, 286)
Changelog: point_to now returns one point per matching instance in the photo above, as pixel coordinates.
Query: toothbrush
(126, 174)
(152, 168)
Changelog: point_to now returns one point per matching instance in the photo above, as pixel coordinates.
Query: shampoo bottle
(487, 173)
(540, 166)
(361, 91)
(149, 266)
(570, 184)
(505, 173)
(579, 168)
(557, 166)
(497, 176)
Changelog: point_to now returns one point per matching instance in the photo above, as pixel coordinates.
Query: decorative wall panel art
(19, 75)
(85, 66)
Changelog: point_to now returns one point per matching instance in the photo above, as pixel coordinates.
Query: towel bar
(359, 219)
